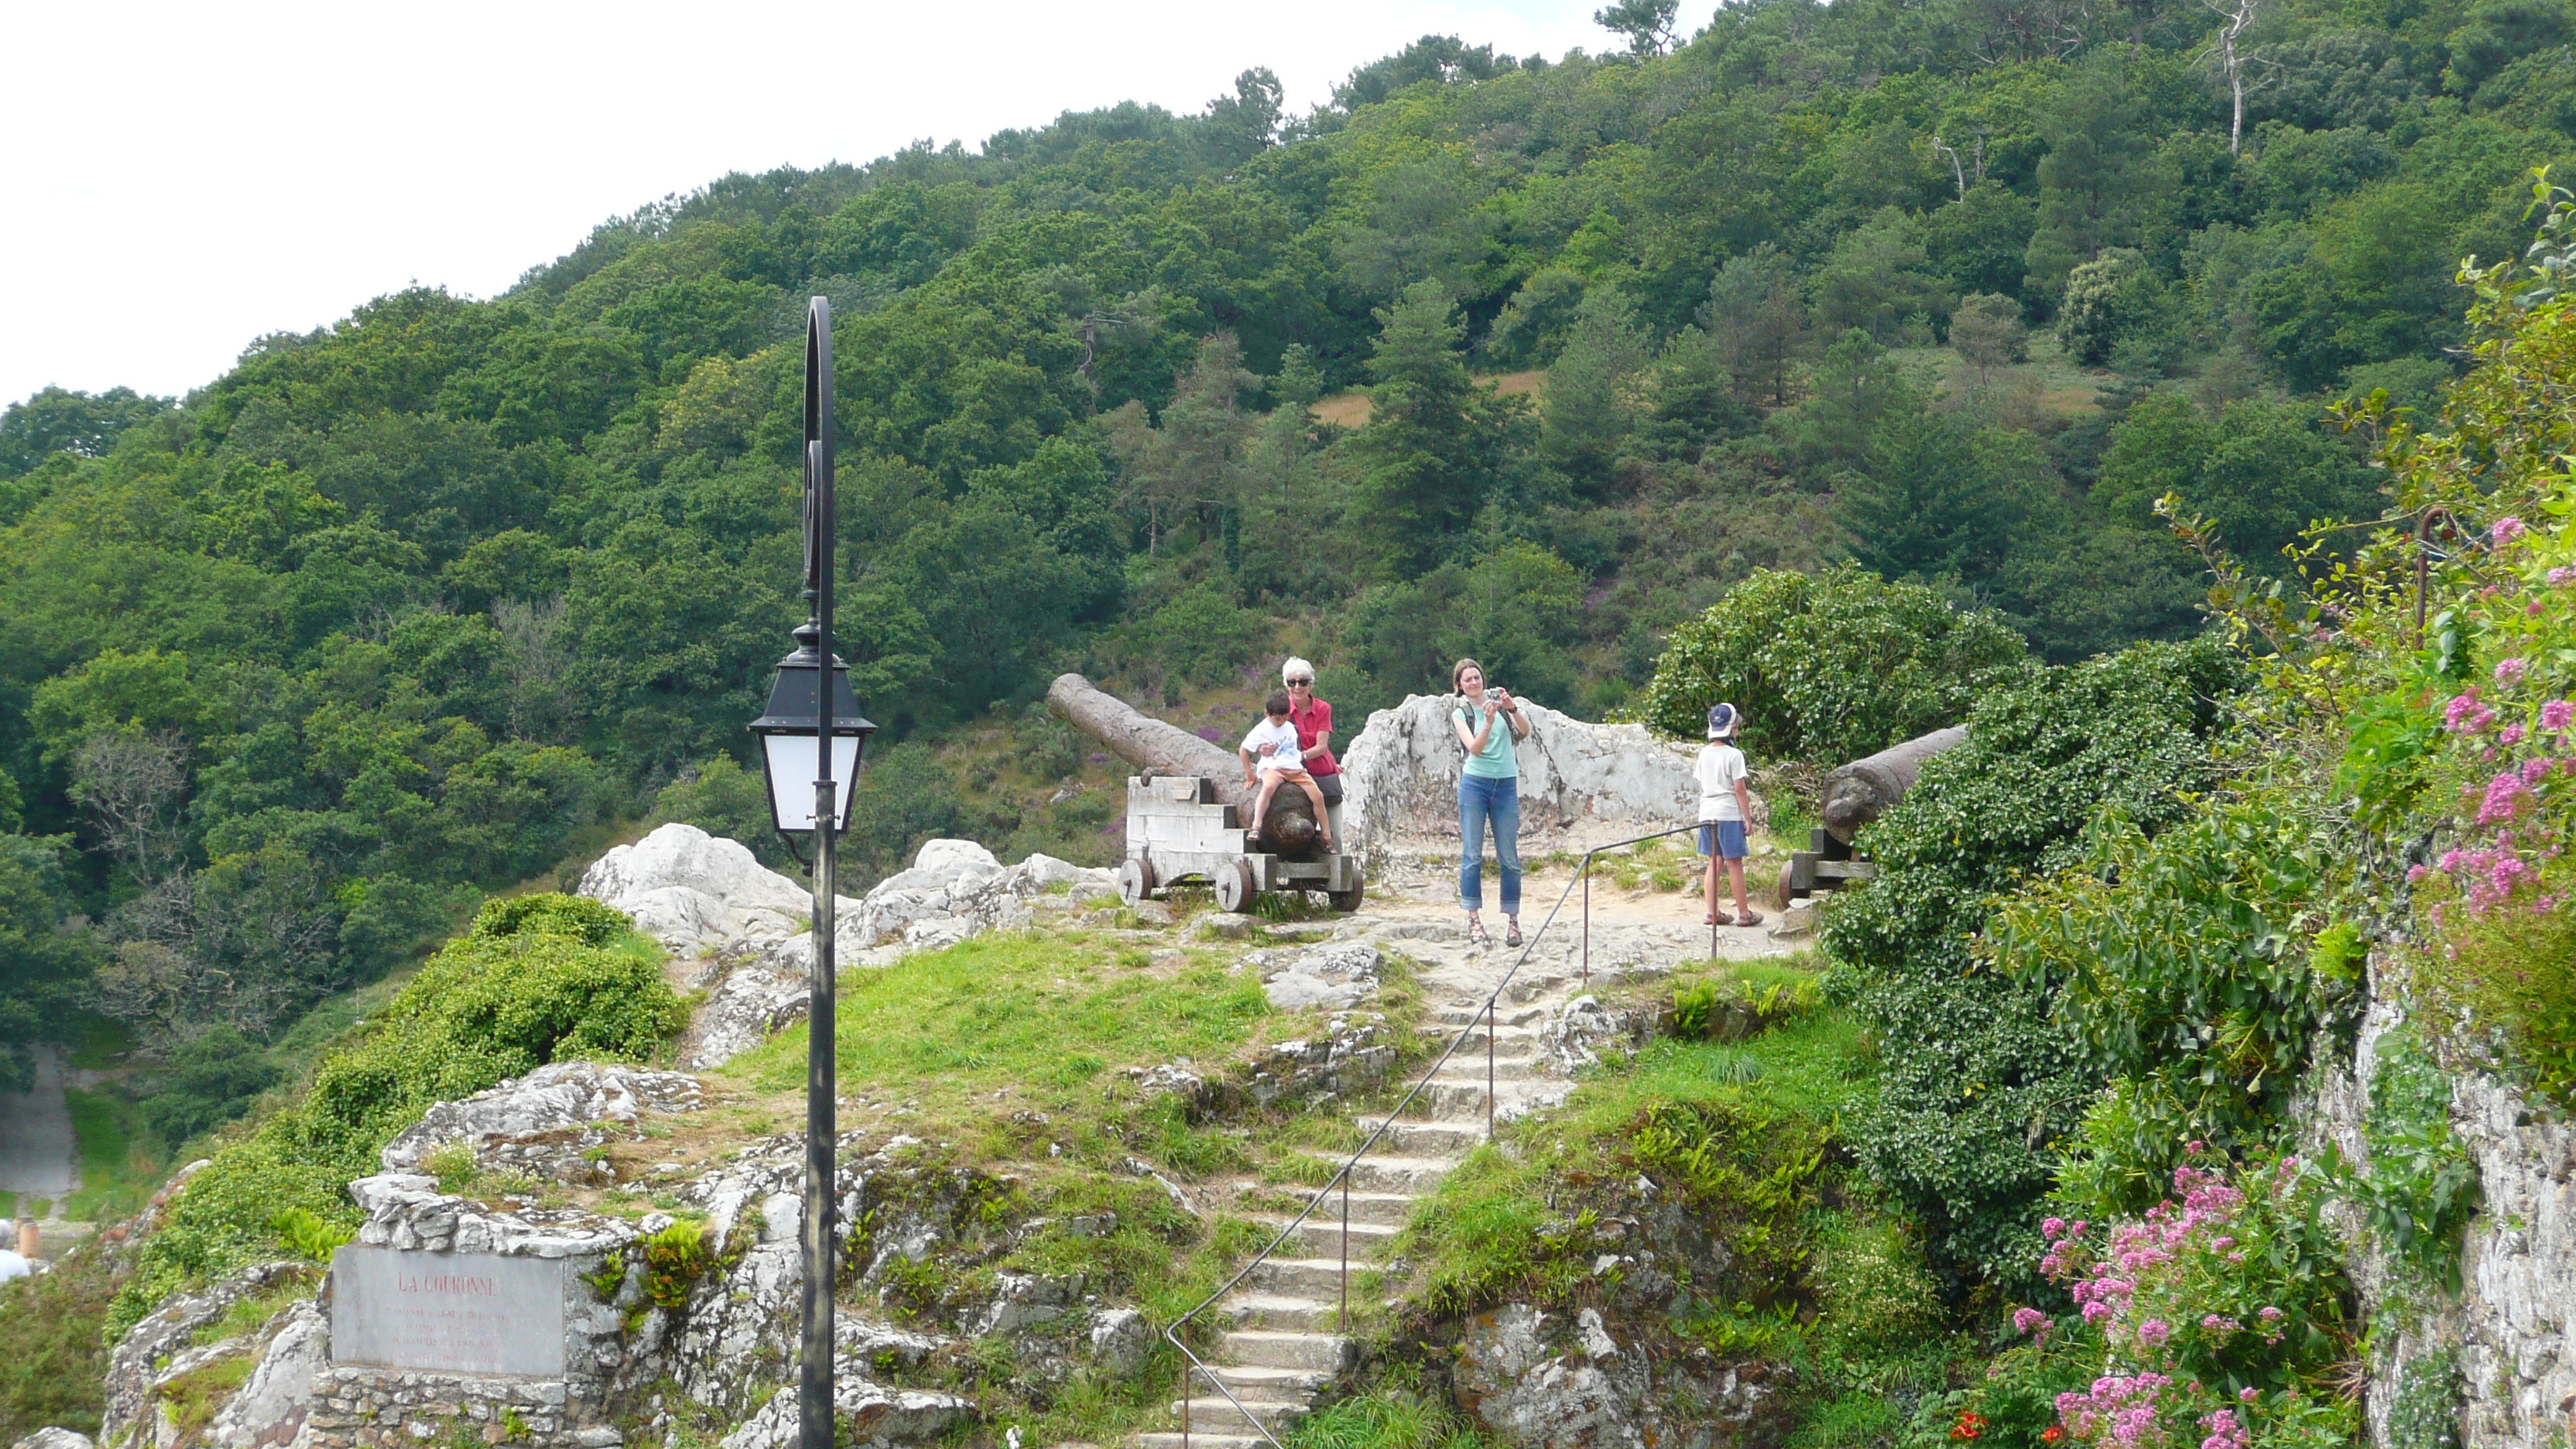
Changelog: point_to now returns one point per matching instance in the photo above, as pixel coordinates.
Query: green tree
(1424, 461)
(1831, 667)
(2098, 179)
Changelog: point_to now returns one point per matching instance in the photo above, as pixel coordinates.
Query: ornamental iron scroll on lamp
(801, 715)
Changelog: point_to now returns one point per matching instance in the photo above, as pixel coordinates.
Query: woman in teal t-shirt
(1489, 723)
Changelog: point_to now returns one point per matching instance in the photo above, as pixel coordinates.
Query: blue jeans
(1480, 800)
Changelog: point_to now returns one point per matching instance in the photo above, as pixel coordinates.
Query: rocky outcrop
(2511, 1329)
(271, 1408)
(52, 1438)
(1401, 776)
(162, 1347)
(700, 895)
(871, 1413)
(1550, 1381)
(544, 1123)
(1334, 977)
(696, 892)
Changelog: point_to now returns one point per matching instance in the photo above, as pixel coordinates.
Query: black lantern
(786, 730)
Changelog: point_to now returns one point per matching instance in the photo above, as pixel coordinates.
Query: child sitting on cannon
(1272, 748)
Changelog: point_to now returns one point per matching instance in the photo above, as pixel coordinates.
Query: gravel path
(36, 1148)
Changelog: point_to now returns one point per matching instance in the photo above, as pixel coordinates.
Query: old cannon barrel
(1858, 793)
(1160, 748)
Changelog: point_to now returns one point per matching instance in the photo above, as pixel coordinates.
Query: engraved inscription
(450, 1312)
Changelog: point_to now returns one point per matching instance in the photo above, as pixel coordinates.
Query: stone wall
(2508, 1327)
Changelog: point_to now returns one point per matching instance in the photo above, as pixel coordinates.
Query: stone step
(1282, 1312)
(1213, 1411)
(1506, 1014)
(1414, 1135)
(1396, 1172)
(1386, 1209)
(1455, 1099)
(1321, 1237)
(1519, 1039)
(1470, 1066)
(1201, 1439)
(1316, 1278)
(1323, 1353)
(1270, 1383)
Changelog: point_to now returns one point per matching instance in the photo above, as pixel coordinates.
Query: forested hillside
(390, 614)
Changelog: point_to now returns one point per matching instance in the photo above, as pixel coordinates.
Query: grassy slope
(1857, 1315)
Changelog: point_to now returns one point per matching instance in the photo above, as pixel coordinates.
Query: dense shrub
(1980, 1082)
(2187, 971)
(538, 978)
(1830, 667)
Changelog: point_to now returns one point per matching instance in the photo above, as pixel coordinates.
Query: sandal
(1512, 934)
(1476, 933)
(1749, 918)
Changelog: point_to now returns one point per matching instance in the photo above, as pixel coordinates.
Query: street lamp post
(804, 713)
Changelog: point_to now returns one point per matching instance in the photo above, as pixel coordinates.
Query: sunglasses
(1301, 684)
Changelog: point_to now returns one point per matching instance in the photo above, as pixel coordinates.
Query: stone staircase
(1283, 1342)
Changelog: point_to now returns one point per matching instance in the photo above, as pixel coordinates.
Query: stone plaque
(465, 1313)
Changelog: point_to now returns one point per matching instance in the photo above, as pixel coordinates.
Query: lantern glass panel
(791, 761)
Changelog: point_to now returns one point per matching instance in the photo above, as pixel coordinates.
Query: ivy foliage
(538, 978)
(2187, 971)
(1831, 666)
(1980, 1081)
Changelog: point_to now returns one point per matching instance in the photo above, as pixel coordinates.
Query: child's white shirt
(1718, 768)
(1287, 754)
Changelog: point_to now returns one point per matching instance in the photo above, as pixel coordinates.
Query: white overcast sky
(178, 180)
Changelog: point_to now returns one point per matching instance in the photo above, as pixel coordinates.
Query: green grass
(55, 1369)
(1039, 1019)
(119, 1166)
(98, 1042)
(1391, 1418)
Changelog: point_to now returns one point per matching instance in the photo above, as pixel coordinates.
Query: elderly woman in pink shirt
(1314, 721)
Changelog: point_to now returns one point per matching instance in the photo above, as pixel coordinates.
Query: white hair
(1295, 666)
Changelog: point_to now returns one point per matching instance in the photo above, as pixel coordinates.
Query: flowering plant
(2501, 941)
(2215, 1311)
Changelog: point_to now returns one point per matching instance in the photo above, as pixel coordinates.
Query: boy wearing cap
(1725, 803)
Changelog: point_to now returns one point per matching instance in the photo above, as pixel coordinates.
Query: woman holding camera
(1489, 724)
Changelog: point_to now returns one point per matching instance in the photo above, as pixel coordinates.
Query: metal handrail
(1341, 1177)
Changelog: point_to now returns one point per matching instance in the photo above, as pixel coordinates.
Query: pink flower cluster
(2506, 529)
(2121, 1410)
(2224, 1431)
(2466, 714)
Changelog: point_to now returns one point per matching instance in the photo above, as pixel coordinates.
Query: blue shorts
(1722, 838)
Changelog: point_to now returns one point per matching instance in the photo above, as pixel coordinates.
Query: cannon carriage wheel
(1349, 900)
(1235, 890)
(1136, 880)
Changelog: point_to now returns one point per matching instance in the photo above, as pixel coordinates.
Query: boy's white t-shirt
(1718, 768)
(1282, 733)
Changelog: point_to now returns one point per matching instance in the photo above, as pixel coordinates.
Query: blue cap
(1721, 721)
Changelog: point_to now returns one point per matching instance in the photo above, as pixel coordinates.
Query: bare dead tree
(2226, 48)
(130, 786)
(536, 664)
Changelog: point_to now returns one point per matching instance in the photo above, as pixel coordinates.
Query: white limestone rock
(1401, 775)
(152, 1350)
(875, 1414)
(1120, 1340)
(696, 892)
(1334, 977)
(55, 1438)
(560, 1097)
(269, 1408)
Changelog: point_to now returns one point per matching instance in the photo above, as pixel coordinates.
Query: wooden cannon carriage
(1186, 807)
(1177, 829)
